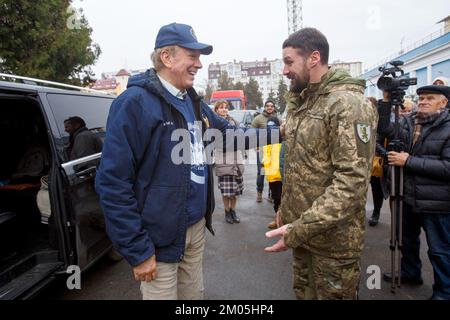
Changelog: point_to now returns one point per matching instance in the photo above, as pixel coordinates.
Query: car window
(248, 118)
(93, 110)
(237, 115)
(81, 113)
(235, 105)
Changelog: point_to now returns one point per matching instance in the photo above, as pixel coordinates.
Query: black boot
(228, 217)
(234, 216)
(374, 219)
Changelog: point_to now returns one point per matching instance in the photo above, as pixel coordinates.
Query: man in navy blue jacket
(156, 207)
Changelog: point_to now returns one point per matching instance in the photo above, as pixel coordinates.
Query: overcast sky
(247, 30)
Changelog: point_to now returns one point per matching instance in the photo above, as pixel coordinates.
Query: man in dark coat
(426, 162)
(82, 142)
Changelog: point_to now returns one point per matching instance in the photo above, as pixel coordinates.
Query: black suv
(50, 217)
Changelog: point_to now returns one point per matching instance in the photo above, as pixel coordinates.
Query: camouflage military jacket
(330, 141)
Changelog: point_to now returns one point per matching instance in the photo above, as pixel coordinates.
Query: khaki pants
(322, 278)
(183, 280)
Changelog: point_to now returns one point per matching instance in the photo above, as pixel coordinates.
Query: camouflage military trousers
(321, 278)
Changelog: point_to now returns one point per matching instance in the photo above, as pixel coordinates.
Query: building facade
(110, 86)
(267, 73)
(425, 60)
(115, 82)
(353, 68)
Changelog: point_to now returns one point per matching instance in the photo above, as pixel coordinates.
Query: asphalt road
(236, 266)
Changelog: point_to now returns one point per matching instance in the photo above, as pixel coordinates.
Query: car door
(34, 253)
(82, 206)
(248, 119)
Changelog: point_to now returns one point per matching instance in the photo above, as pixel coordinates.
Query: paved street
(236, 266)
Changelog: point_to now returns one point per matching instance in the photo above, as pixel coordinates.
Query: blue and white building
(425, 60)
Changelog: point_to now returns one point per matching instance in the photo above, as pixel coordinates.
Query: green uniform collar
(334, 79)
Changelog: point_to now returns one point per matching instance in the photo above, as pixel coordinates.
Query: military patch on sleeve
(363, 132)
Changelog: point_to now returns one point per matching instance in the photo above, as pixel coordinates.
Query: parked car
(39, 241)
(244, 117)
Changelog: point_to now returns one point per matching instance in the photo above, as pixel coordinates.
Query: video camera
(394, 81)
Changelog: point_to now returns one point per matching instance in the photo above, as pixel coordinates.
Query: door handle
(86, 172)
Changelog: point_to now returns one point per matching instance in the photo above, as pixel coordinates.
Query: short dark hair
(269, 101)
(308, 40)
(76, 120)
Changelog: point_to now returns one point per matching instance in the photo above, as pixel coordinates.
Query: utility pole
(295, 15)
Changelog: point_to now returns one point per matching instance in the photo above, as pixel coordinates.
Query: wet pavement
(237, 268)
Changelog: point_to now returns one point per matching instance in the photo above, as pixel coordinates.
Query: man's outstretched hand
(280, 245)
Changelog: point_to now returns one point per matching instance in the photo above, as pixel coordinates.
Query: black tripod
(394, 82)
(396, 202)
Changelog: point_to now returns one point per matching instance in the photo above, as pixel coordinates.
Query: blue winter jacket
(142, 192)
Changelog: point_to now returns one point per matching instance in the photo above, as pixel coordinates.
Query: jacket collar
(444, 117)
(267, 115)
(171, 88)
(78, 131)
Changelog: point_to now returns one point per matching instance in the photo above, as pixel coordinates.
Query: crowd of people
(318, 164)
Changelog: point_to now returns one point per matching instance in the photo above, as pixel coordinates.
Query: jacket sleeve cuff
(412, 163)
(138, 256)
(290, 237)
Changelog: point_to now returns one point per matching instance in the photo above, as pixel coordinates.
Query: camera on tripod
(394, 81)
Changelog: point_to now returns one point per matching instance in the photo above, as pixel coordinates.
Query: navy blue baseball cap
(180, 35)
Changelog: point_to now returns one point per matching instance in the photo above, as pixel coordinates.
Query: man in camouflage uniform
(330, 140)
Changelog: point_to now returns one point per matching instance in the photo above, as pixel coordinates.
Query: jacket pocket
(312, 132)
(329, 241)
(318, 116)
(162, 214)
